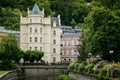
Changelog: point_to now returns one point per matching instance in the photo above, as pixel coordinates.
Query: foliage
(8, 48)
(98, 66)
(10, 18)
(81, 69)
(102, 69)
(71, 66)
(69, 10)
(82, 52)
(110, 70)
(89, 68)
(33, 55)
(9, 52)
(102, 31)
(7, 65)
(65, 77)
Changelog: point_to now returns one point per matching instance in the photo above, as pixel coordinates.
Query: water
(40, 77)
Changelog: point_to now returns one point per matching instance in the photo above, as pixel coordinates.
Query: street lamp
(111, 51)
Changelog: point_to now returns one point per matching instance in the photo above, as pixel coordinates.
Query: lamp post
(111, 51)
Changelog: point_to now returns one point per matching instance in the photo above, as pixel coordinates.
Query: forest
(72, 12)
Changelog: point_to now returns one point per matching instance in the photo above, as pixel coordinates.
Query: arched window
(54, 41)
(54, 50)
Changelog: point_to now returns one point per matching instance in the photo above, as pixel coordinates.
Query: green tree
(33, 55)
(9, 48)
(9, 52)
(10, 18)
(103, 32)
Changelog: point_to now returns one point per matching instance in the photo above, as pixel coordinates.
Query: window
(64, 52)
(30, 30)
(35, 29)
(54, 59)
(54, 50)
(69, 44)
(40, 39)
(40, 30)
(40, 48)
(54, 33)
(30, 39)
(35, 48)
(54, 41)
(30, 20)
(30, 48)
(65, 43)
(69, 52)
(40, 20)
(35, 39)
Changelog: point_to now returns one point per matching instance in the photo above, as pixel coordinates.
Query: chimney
(59, 21)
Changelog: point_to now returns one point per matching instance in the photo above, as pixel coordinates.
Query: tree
(82, 52)
(33, 55)
(9, 48)
(10, 18)
(9, 52)
(103, 32)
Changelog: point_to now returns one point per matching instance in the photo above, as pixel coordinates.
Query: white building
(38, 32)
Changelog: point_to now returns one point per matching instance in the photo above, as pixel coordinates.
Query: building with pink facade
(69, 42)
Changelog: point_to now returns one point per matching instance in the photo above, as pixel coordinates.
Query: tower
(38, 32)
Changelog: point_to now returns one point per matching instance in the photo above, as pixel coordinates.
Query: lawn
(3, 71)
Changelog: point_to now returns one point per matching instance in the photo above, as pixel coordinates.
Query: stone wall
(79, 76)
(38, 70)
(9, 75)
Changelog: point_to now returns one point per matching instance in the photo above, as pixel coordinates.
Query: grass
(3, 71)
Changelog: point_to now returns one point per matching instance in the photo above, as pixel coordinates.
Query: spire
(35, 9)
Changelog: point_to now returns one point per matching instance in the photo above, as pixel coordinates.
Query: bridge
(27, 70)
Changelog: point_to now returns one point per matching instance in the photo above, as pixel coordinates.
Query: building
(4, 32)
(69, 42)
(38, 32)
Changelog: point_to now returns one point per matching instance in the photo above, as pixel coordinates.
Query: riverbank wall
(9, 75)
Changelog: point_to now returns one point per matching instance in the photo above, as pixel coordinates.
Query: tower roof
(35, 9)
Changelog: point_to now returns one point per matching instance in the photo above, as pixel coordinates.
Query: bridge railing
(46, 64)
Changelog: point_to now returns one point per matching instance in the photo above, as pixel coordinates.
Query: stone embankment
(9, 75)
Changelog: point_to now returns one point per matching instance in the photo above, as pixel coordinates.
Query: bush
(76, 66)
(89, 68)
(7, 65)
(110, 71)
(81, 69)
(98, 66)
(71, 66)
(65, 77)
